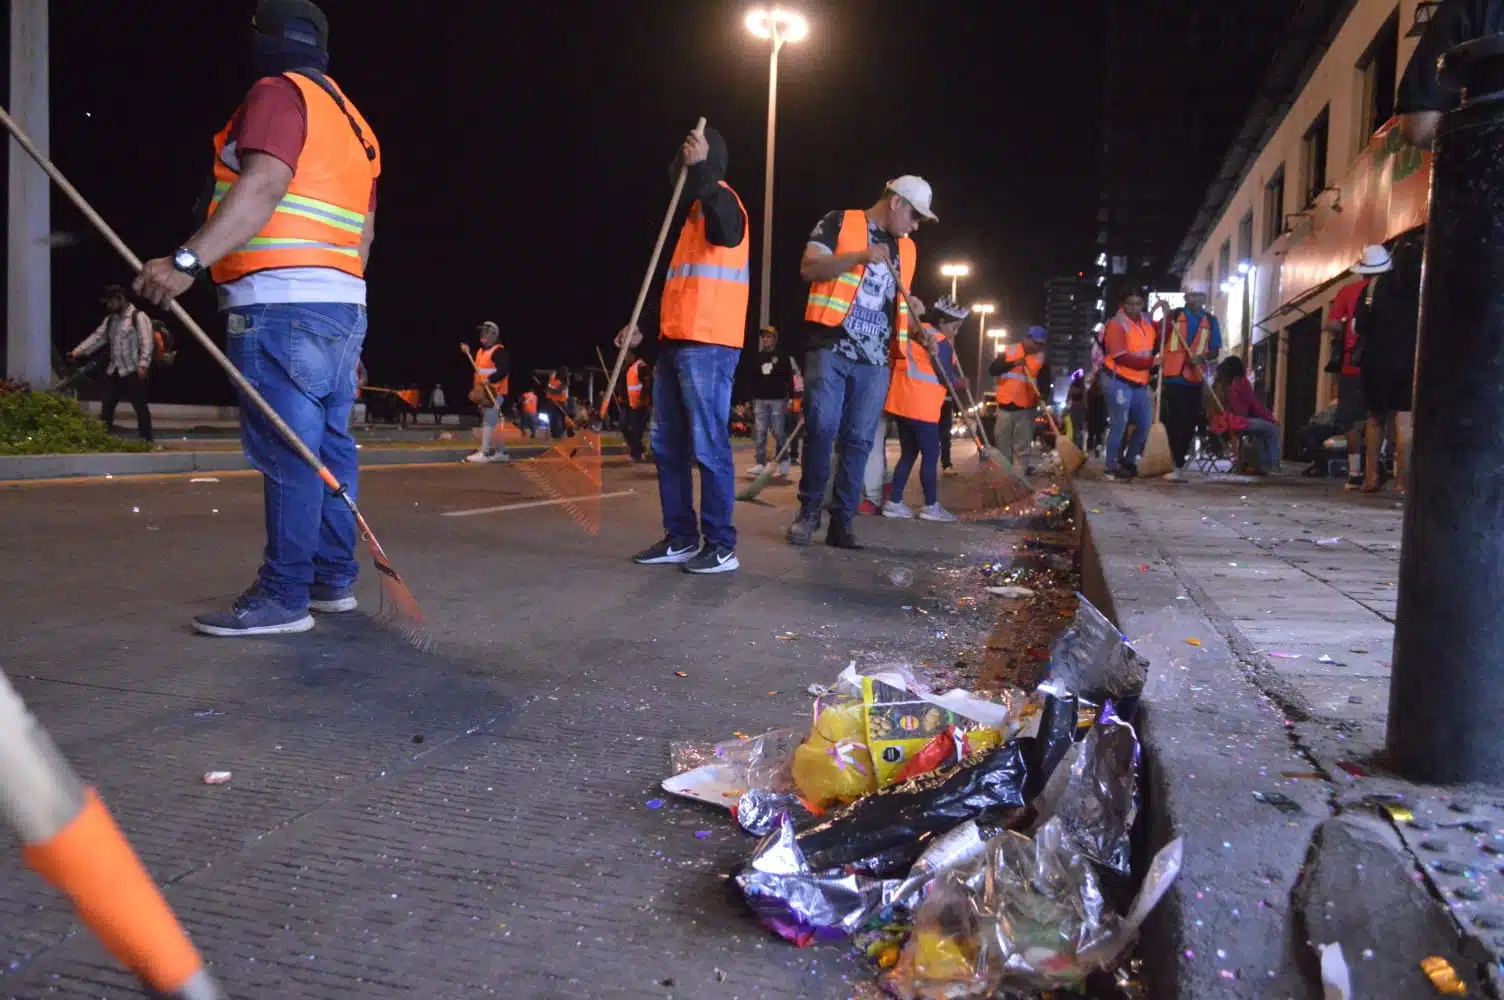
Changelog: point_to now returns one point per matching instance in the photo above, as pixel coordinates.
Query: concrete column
(28, 289)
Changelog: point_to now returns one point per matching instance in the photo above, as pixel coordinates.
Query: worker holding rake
(288, 232)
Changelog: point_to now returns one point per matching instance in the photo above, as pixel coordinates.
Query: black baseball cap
(299, 20)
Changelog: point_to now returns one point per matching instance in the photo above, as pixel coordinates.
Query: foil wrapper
(1092, 658)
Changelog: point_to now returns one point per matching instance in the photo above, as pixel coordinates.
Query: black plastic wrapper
(1093, 659)
(903, 814)
(1043, 753)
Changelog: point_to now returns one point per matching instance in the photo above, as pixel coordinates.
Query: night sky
(526, 154)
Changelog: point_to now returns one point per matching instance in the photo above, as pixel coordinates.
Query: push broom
(393, 589)
(1156, 459)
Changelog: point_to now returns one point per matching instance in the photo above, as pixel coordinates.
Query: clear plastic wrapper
(1100, 800)
(751, 777)
(803, 905)
(1092, 658)
(940, 959)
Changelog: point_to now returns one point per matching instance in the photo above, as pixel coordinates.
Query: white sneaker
(935, 512)
(786, 469)
(756, 471)
(478, 456)
(897, 508)
(1178, 476)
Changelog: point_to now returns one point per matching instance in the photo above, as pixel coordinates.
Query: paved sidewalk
(1285, 589)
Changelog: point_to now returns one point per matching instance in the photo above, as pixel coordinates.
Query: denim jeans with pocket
(691, 426)
(843, 405)
(1127, 405)
(302, 359)
(768, 418)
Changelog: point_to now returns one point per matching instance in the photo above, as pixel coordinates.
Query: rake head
(571, 471)
(397, 601)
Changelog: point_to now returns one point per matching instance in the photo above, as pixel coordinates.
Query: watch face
(186, 260)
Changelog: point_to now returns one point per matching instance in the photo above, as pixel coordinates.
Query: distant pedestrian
(126, 332)
(770, 399)
(1388, 321)
(289, 230)
(1128, 355)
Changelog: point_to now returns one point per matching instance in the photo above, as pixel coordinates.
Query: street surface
(464, 822)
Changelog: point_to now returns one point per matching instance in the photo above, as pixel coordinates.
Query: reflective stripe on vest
(634, 385)
(320, 220)
(1175, 355)
(915, 390)
(830, 301)
(1138, 337)
(1017, 388)
(707, 287)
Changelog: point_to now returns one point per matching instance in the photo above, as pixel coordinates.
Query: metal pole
(1445, 699)
(953, 288)
(765, 307)
(981, 339)
(28, 292)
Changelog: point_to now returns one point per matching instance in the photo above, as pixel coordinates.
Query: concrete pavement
(468, 822)
(1267, 609)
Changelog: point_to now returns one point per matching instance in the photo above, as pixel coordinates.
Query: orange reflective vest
(1173, 363)
(830, 301)
(320, 219)
(915, 391)
(408, 396)
(634, 384)
(1138, 337)
(556, 391)
(485, 367)
(1016, 386)
(706, 291)
(530, 402)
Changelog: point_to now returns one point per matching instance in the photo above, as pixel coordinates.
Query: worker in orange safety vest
(492, 367)
(1020, 370)
(916, 395)
(702, 325)
(634, 418)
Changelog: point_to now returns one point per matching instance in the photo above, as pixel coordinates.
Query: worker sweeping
(916, 396)
(1020, 371)
(701, 327)
(492, 367)
(289, 230)
(1128, 356)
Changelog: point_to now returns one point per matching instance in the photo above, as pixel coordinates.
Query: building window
(1274, 207)
(1376, 74)
(1224, 261)
(1245, 237)
(1313, 153)
(1207, 277)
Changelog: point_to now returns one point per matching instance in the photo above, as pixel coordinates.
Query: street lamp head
(955, 270)
(789, 26)
(984, 307)
(997, 333)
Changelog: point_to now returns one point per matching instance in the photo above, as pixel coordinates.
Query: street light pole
(983, 310)
(777, 26)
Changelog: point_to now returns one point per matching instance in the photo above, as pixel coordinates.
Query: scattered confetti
(702, 834)
(1285, 656)
(680, 673)
(740, 735)
(655, 803)
(1443, 976)
(786, 636)
(217, 778)
(1193, 641)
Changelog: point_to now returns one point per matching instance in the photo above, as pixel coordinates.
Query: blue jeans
(1127, 403)
(691, 415)
(768, 418)
(917, 438)
(843, 402)
(302, 359)
(1268, 437)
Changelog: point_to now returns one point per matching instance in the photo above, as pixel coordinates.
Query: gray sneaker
(935, 512)
(329, 600)
(897, 508)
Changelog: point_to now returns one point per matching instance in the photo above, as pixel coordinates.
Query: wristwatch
(187, 261)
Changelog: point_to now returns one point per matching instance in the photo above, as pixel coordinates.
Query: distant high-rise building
(1070, 314)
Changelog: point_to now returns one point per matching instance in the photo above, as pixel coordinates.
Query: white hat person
(1196, 286)
(916, 191)
(1375, 260)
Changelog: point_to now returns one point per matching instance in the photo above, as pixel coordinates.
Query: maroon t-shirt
(274, 121)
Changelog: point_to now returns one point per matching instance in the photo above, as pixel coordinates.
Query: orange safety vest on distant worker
(706, 291)
(408, 396)
(1017, 387)
(1137, 338)
(634, 384)
(530, 402)
(830, 301)
(321, 218)
(915, 391)
(485, 367)
(1174, 354)
(557, 394)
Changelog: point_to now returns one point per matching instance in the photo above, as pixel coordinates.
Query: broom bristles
(1156, 459)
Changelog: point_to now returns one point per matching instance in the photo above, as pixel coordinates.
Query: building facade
(1318, 172)
(1070, 314)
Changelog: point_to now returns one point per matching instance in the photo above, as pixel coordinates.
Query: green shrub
(42, 423)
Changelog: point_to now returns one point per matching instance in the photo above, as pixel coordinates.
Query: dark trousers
(133, 387)
(1184, 413)
(634, 421)
(947, 415)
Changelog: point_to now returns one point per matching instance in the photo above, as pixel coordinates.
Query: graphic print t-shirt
(869, 325)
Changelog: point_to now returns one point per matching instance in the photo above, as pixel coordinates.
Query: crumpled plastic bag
(803, 905)
(897, 817)
(1100, 801)
(757, 771)
(834, 764)
(1030, 916)
(1093, 659)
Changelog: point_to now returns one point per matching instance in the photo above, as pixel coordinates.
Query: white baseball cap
(1375, 260)
(916, 191)
(1196, 286)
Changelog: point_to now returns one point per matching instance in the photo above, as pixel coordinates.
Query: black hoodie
(725, 224)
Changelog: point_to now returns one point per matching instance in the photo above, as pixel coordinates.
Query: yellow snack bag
(900, 724)
(834, 764)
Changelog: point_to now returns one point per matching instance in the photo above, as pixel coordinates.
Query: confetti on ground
(702, 834)
(1193, 641)
(217, 778)
(786, 636)
(741, 735)
(1285, 656)
(680, 673)
(655, 803)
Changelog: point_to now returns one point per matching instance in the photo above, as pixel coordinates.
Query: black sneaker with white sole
(713, 559)
(675, 551)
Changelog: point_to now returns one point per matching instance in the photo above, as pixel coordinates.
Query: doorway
(1302, 377)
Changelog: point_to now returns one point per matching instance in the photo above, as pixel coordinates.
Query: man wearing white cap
(1342, 321)
(853, 261)
(1190, 340)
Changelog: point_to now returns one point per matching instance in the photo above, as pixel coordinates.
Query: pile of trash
(973, 845)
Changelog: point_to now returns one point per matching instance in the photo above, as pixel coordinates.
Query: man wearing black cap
(127, 334)
(289, 230)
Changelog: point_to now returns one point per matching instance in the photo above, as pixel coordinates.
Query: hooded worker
(701, 327)
(289, 228)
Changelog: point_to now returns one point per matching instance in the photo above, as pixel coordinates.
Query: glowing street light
(955, 272)
(983, 310)
(778, 26)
